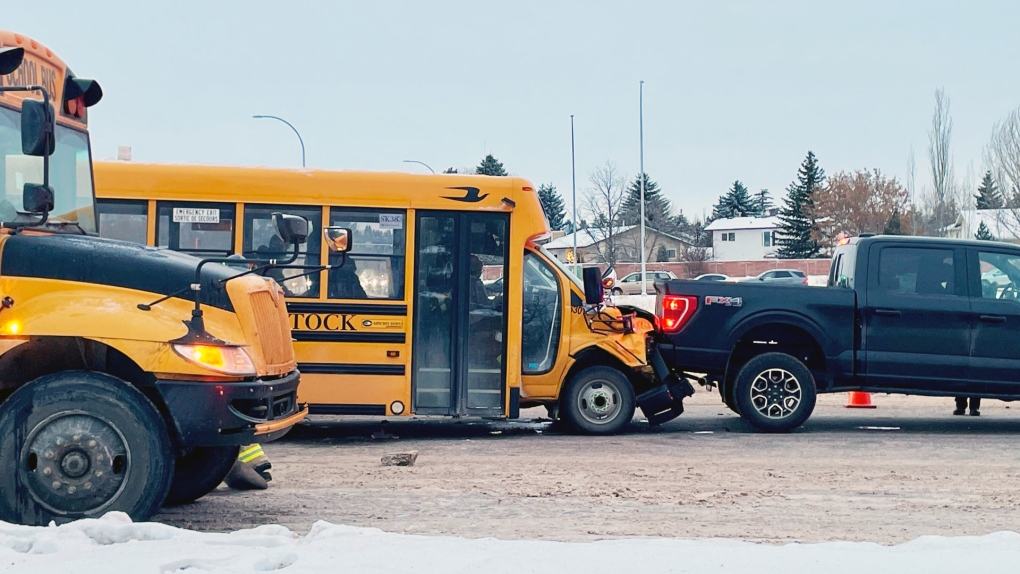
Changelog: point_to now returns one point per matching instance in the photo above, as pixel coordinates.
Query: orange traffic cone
(859, 400)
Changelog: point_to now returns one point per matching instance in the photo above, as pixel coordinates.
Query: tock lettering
(321, 322)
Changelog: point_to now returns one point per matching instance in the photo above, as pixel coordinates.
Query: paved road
(887, 475)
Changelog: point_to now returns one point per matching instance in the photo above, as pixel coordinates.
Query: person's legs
(961, 406)
(975, 406)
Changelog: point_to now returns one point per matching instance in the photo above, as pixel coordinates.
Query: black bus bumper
(235, 413)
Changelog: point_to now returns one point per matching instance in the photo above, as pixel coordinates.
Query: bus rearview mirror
(37, 198)
(338, 239)
(37, 128)
(593, 294)
(293, 229)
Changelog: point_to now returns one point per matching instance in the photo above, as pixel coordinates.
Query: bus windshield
(70, 174)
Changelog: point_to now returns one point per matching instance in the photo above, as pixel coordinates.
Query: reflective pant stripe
(251, 453)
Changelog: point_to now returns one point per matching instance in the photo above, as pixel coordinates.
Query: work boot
(959, 412)
(974, 413)
(243, 477)
(254, 456)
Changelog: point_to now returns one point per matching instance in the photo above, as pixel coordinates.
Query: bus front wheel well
(596, 357)
(41, 356)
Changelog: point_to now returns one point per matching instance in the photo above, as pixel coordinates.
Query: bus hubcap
(74, 463)
(599, 402)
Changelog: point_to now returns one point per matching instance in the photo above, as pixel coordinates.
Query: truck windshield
(70, 174)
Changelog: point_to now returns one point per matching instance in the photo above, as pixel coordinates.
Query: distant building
(593, 243)
(744, 238)
(1004, 224)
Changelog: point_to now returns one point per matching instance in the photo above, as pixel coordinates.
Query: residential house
(593, 245)
(744, 238)
(1003, 224)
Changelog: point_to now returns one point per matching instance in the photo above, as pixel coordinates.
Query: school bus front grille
(273, 331)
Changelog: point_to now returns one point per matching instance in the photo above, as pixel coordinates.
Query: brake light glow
(677, 310)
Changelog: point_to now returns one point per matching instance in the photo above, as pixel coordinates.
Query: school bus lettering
(33, 73)
(322, 322)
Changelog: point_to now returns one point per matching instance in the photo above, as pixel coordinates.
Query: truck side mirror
(338, 239)
(37, 198)
(293, 229)
(592, 286)
(37, 128)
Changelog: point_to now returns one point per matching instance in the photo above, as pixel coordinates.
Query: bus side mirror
(37, 128)
(37, 198)
(292, 229)
(592, 286)
(338, 239)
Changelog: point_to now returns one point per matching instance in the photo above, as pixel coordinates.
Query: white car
(631, 284)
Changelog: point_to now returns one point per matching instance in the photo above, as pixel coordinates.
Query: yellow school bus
(129, 376)
(447, 304)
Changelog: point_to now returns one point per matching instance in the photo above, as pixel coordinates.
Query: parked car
(712, 277)
(631, 284)
(907, 315)
(780, 276)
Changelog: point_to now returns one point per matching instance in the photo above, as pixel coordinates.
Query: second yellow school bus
(447, 304)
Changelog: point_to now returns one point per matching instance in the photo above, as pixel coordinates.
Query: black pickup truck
(910, 315)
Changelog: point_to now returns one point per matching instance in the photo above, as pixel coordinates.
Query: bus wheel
(775, 392)
(598, 400)
(78, 445)
(199, 472)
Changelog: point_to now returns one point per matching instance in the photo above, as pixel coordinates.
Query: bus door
(459, 342)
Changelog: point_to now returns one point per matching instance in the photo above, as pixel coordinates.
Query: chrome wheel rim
(600, 402)
(74, 463)
(776, 393)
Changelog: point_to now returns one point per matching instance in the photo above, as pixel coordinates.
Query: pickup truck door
(916, 318)
(994, 276)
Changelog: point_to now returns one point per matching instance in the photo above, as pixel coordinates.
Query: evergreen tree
(736, 202)
(983, 233)
(762, 202)
(988, 196)
(894, 227)
(490, 166)
(657, 207)
(552, 205)
(795, 236)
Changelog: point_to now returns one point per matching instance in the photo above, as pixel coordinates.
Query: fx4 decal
(724, 301)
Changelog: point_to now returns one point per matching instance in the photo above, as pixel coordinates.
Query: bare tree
(1002, 157)
(853, 203)
(696, 259)
(941, 202)
(911, 172)
(603, 202)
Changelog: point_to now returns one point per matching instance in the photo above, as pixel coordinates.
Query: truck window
(1000, 275)
(916, 271)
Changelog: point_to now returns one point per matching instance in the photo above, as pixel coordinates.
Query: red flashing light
(526, 188)
(677, 310)
(75, 107)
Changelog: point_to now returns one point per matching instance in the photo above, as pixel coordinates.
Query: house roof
(591, 236)
(744, 223)
(1004, 224)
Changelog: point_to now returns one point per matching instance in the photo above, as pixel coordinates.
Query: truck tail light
(805, 281)
(677, 311)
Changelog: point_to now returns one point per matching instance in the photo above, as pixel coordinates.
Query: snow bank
(113, 544)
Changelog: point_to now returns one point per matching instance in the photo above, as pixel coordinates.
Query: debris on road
(400, 459)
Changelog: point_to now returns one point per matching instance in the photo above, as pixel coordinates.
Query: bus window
(541, 318)
(201, 229)
(262, 242)
(375, 266)
(124, 220)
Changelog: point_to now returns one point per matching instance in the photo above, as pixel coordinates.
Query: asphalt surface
(905, 469)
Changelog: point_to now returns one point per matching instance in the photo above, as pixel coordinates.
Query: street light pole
(573, 190)
(641, 129)
(291, 127)
(421, 162)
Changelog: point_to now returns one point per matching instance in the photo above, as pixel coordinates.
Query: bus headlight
(226, 360)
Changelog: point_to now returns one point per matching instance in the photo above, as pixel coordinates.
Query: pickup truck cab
(909, 315)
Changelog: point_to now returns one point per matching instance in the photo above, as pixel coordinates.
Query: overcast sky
(733, 90)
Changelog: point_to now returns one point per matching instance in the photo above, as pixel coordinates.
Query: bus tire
(199, 472)
(78, 445)
(598, 400)
(775, 392)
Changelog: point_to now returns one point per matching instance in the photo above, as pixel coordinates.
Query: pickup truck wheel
(598, 400)
(775, 392)
(199, 472)
(78, 445)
